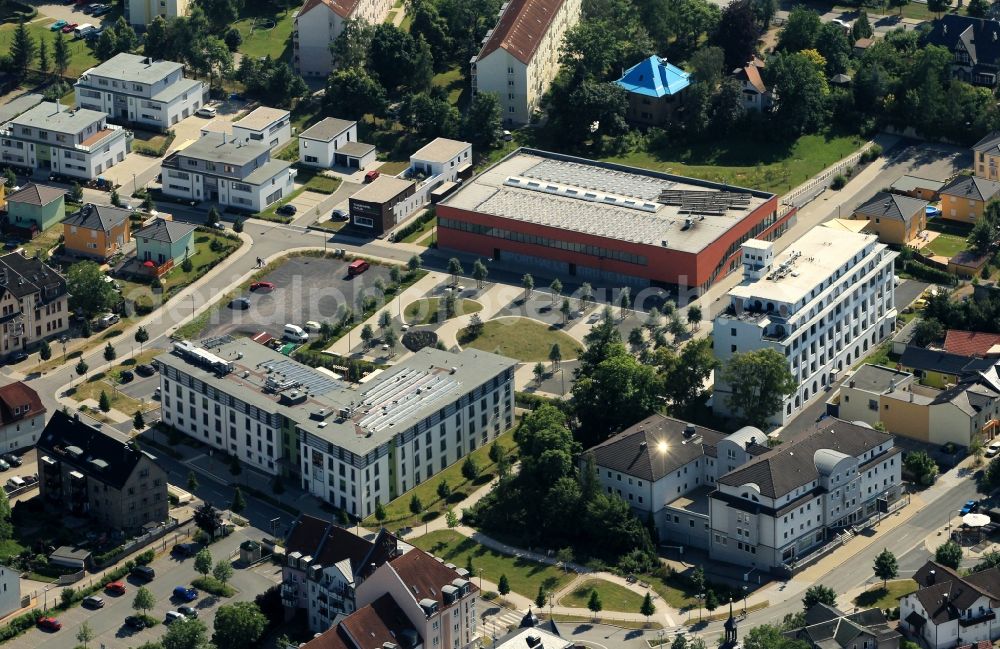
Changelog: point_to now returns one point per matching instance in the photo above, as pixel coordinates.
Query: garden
(526, 340)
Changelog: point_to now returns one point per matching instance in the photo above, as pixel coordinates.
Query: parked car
(969, 507)
(57, 25)
(287, 210)
(126, 376)
(993, 449)
(312, 326)
(93, 602)
(49, 624)
(186, 549)
(240, 304)
(206, 111)
(188, 611)
(185, 593)
(30, 479)
(173, 616)
(18, 356)
(135, 622)
(145, 370)
(340, 215)
(100, 11)
(116, 588)
(357, 267)
(372, 175)
(107, 320)
(4, 466)
(68, 28)
(262, 286)
(12, 459)
(144, 573)
(89, 9)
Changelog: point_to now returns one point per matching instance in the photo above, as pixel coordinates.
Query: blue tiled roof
(654, 77)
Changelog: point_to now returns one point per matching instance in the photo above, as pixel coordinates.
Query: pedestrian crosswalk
(496, 620)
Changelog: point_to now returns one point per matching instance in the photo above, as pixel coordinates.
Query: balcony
(979, 618)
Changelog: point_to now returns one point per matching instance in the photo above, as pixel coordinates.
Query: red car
(49, 624)
(372, 175)
(69, 28)
(115, 588)
(262, 286)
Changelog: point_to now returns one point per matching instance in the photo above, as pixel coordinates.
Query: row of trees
(25, 53)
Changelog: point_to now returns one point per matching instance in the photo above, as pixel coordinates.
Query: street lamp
(745, 589)
(659, 641)
(480, 579)
(274, 527)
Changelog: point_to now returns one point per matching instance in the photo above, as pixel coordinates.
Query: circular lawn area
(430, 310)
(525, 339)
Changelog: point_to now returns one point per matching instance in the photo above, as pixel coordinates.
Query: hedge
(413, 226)
(533, 401)
(928, 274)
(19, 625)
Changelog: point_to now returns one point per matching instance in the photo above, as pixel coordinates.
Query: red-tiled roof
(17, 395)
(369, 627)
(343, 8)
(521, 28)
(424, 575)
(969, 343)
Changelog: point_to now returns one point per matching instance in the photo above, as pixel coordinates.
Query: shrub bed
(417, 340)
(213, 586)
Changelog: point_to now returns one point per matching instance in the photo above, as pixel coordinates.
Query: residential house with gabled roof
(974, 44)
(35, 208)
(375, 626)
(780, 506)
(655, 90)
(948, 610)
(438, 599)
(97, 231)
(757, 97)
(22, 416)
(938, 368)
(972, 343)
(666, 468)
(520, 56)
(101, 474)
(986, 157)
(826, 627)
(324, 563)
(318, 24)
(34, 303)
(163, 241)
(895, 218)
(964, 198)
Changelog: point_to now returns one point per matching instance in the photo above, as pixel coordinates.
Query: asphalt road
(108, 622)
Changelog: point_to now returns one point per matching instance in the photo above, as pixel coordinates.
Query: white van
(16, 482)
(81, 31)
(295, 333)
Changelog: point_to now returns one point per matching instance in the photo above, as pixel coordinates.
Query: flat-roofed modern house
(822, 304)
(383, 203)
(101, 474)
(34, 303)
(520, 56)
(97, 231)
(448, 159)
(781, 505)
(140, 90)
(655, 90)
(71, 142)
(318, 24)
(22, 416)
(333, 142)
(351, 446)
(895, 218)
(232, 173)
(272, 126)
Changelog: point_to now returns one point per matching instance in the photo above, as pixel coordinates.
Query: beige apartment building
(986, 157)
(319, 22)
(520, 57)
(34, 303)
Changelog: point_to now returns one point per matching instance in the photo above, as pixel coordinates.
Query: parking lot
(306, 288)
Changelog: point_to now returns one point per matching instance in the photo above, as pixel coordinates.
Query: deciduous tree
(759, 381)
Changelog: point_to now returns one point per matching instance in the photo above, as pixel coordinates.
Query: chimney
(931, 576)
(224, 138)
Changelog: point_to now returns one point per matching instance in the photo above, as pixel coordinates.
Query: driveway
(338, 199)
(188, 130)
(307, 288)
(71, 13)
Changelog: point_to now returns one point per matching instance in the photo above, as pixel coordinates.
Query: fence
(145, 539)
(809, 190)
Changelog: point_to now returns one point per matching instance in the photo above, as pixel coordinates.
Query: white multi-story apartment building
(823, 304)
(520, 57)
(775, 509)
(219, 169)
(139, 13)
(319, 22)
(666, 468)
(71, 142)
(10, 590)
(437, 599)
(352, 447)
(140, 90)
(948, 610)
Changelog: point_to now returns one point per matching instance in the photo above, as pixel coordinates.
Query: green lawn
(102, 382)
(81, 57)
(946, 245)
(521, 338)
(613, 597)
(419, 233)
(259, 38)
(45, 241)
(398, 512)
(454, 82)
(524, 576)
(394, 167)
(887, 597)
(768, 165)
(10, 548)
(431, 310)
